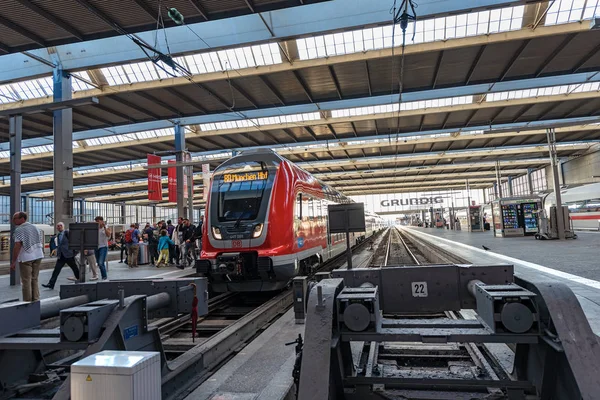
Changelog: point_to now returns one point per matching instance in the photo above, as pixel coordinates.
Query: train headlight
(257, 230)
(216, 233)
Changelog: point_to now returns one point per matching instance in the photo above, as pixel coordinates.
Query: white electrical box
(117, 375)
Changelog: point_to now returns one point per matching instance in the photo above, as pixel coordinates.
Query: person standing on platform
(152, 243)
(170, 229)
(176, 237)
(163, 247)
(28, 251)
(124, 249)
(102, 250)
(132, 238)
(90, 257)
(65, 256)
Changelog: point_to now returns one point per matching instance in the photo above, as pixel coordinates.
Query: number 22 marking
(419, 289)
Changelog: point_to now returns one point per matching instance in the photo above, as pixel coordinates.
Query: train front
(235, 245)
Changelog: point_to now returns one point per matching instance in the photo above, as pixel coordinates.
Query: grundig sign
(412, 201)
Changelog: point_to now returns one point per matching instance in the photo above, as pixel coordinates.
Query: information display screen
(246, 176)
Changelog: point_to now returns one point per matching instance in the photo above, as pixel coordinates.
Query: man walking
(64, 255)
(102, 250)
(28, 251)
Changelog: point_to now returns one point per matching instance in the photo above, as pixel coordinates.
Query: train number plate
(236, 243)
(419, 289)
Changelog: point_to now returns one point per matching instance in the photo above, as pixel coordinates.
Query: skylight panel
(456, 26)
(78, 84)
(7, 95)
(564, 11)
(545, 91)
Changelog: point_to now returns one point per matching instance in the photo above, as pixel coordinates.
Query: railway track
(395, 249)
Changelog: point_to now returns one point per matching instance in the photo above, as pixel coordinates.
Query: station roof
(478, 87)
(45, 23)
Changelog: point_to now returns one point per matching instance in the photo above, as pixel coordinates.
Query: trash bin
(143, 257)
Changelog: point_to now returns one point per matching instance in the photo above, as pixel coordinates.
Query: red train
(266, 222)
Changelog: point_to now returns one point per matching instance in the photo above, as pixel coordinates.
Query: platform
(116, 271)
(572, 262)
(49, 262)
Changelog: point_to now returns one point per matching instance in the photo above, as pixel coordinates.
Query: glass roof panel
(564, 11)
(456, 26)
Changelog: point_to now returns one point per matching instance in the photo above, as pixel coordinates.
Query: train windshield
(241, 188)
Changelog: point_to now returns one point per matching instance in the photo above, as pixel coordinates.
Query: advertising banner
(172, 183)
(154, 179)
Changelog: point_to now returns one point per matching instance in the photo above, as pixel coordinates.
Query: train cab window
(240, 200)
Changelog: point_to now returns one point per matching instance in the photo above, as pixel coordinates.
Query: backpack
(129, 236)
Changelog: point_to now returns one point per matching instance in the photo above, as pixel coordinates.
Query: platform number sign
(419, 289)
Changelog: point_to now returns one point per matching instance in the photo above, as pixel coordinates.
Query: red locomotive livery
(266, 222)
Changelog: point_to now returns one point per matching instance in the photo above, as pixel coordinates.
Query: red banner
(172, 183)
(154, 179)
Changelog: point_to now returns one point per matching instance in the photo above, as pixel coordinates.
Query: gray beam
(179, 148)
(560, 223)
(63, 150)
(529, 181)
(45, 107)
(15, 132)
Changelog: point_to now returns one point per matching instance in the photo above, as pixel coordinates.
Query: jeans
(172, 253)
(101, 254)
(152, 251)
(60, 263)
(124, 250)
(30, 270)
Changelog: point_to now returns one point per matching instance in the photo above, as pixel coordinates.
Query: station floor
(116, 271)
(579, 256)
(575, 263)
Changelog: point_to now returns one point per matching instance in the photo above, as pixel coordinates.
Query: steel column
(179, 148)
(529, 181)
(560, 223)
(15, 134)
(82, 210)
(498, 181)
(510, 186)
(123, 214)
(63, 150)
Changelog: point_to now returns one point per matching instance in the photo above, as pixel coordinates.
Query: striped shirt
(32, 243)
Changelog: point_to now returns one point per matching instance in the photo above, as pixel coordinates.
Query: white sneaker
(94, 278)
(72, 278)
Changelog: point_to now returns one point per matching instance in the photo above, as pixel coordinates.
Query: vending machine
(530, 218)
(515, 216)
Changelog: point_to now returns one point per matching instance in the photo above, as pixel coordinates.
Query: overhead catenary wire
(406, 12)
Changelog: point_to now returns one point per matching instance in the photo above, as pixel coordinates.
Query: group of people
(168, 244)
(28, 252)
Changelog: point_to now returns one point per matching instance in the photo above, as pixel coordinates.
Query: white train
(584, 205)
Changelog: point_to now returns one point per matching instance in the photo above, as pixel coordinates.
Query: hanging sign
(154, 179)
(172, 183)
